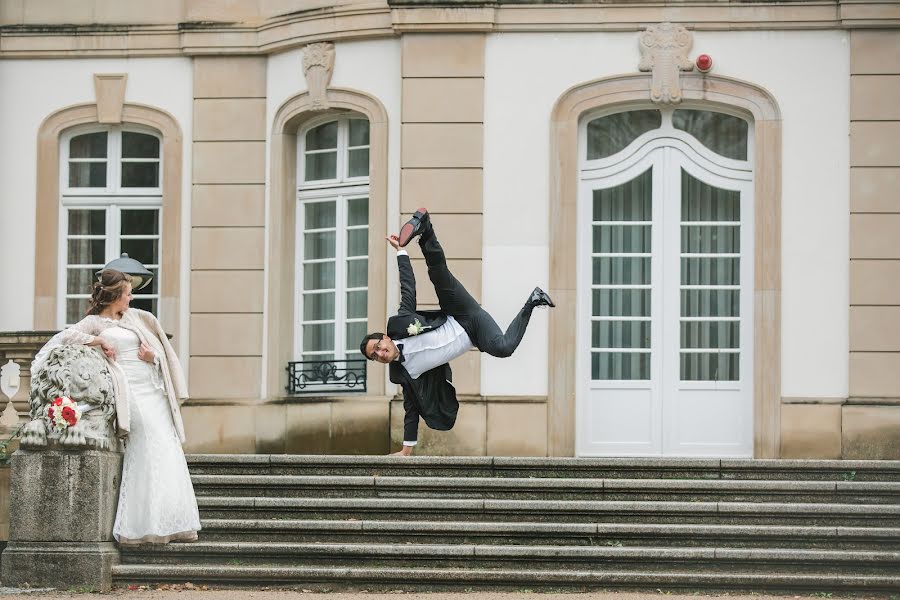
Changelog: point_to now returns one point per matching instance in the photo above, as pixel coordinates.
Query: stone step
(679, 490)
(571, 534)
(438, 579)
(510, 557)
(439, 509)
(557, 468)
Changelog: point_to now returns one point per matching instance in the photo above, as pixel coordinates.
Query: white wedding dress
(156, 497)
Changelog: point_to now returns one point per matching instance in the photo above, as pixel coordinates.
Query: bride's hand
(146, 354)
(108, 349)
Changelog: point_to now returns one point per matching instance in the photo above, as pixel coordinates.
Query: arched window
(111, 203)
(332, 238)
(666, 283)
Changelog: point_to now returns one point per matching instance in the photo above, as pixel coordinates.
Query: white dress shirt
(430, 349)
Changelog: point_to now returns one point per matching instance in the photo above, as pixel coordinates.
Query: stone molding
(634, 90)
(270, 33)
(47, 206)
(664, 52)
(318, 66)
(281, 226)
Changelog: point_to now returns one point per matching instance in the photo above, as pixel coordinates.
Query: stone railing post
(65, 483)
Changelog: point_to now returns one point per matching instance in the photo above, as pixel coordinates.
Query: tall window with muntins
(710, 282)
(111, 198)
(333, 239)
(621, 285)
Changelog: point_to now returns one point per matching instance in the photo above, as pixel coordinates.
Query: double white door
(665, 325)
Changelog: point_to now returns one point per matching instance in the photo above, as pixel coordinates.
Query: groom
(419, 344)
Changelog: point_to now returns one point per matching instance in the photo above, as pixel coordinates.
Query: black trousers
(458, 303)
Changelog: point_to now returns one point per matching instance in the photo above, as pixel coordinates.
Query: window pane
(321, 166)
(318, 357)
(630, 201)
(318, 307)
(80, 281)
(143, 251)
(710, 271)
(710, 303)
(721, 133)
(359, 163)
(710, 334)
(148, 304)
(620, 334)
(621, 271)
(140, 222)
(87, 174)
(318, 276)
(88, 145)
(358, 211)
(358, 242)
(703, 202)
(139, 145)
(318, 245)
(620, 303)
(700, 366)
(357, 273)
(319, 215)
(612, 133)
(355, 333)
(76, 309)
(620, 365)
(86, 252)
(359, 132)
(87, 222)
(710, 239)
(622, 238)
(140, 174)
(322, 137)
(356, 304)
(318, 337)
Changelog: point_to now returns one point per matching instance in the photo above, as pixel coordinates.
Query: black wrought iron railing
(313, 376)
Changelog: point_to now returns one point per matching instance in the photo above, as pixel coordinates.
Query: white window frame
(340, 190)
(112, 199)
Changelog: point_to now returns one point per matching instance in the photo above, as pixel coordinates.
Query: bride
(156, 498)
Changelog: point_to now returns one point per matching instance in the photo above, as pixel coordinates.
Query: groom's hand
(394, 241)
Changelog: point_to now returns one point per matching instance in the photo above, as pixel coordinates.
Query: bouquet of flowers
(63, 413)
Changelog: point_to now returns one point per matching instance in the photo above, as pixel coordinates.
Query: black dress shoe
(415, 226)
(540, 298)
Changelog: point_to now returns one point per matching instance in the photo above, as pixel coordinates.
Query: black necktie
(400, 358)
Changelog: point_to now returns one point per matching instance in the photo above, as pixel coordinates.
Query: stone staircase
(443, 523)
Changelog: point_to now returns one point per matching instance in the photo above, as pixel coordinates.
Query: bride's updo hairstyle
(109, 288)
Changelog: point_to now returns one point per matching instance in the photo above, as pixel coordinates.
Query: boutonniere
(416, 328)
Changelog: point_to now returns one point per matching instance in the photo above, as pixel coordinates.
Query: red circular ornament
(704, 63)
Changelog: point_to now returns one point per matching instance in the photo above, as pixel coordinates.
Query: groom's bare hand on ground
(394, 241)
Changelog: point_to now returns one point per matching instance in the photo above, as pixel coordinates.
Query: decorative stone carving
(664, 50)
(81, 374)
(318, 65)
(110, 91)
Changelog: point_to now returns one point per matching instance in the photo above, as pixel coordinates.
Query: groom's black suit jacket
(432, 395)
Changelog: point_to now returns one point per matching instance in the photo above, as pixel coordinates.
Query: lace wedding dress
(156, 497)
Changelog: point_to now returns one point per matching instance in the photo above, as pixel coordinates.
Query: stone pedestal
(61, 519)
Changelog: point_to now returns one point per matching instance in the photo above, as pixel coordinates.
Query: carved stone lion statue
(81, 374)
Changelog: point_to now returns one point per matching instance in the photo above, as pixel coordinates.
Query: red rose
(57, 402)
(68, 413)
(50, 413)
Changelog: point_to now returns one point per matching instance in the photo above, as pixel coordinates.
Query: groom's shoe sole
(413, 227)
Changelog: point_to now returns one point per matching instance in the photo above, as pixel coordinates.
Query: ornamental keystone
(664, 49)
(318, 66)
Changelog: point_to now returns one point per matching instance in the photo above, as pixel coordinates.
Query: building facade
(707, 191)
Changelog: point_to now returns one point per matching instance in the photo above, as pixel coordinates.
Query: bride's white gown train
(156, 498)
